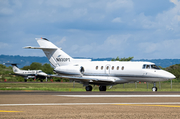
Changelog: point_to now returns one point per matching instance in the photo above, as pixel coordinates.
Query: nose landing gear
(154, 89)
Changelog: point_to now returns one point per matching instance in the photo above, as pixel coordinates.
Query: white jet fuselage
(116, 71)
(102, 73)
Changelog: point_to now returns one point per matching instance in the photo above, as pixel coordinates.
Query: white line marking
(51, 104)
(119, 95)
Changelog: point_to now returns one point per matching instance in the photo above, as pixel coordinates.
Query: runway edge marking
(50, 104)
(119, 95)
(157, 105)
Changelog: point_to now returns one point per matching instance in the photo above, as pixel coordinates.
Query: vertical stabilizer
(56, 56)
(15, 68)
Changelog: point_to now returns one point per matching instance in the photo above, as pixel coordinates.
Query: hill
(27, 60)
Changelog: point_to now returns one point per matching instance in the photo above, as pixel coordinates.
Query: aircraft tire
(89, 88)
(102, 88)
(154, 89)
(25, 80)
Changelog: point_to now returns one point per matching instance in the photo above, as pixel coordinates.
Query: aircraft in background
(102, 73)
(27, 74)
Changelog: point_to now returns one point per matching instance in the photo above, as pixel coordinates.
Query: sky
(143, 29)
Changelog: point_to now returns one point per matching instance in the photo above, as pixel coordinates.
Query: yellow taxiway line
(9, 111)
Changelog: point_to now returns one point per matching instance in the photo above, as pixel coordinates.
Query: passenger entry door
(107, 69)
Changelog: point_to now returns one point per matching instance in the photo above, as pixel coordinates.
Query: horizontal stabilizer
(43, 48)
(13, 64)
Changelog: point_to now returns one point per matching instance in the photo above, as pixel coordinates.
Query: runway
(38, 104)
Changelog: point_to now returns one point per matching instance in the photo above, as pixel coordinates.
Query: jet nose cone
(170, 76)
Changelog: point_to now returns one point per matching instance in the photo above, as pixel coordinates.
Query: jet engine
(70, 70)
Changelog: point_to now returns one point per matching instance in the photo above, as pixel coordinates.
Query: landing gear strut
(102, 88)
(89, 88)
(154, 89)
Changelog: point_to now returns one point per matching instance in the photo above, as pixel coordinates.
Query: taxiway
(39, 104)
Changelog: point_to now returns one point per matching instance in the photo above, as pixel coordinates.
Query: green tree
(174, 69)
(36, 66)
(33, 66)
(122, 59)
(47, 68)
(26, 67)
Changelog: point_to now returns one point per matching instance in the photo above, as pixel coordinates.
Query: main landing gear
(101, 88)
(154, 89)
(89, 88)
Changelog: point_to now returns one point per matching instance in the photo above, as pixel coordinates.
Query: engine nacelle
(69, 70)
(29, 77)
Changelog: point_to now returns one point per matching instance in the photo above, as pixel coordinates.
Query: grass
(58, 86)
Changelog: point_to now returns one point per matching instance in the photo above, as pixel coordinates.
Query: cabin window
(112, 67)
(122, 68)
(117, 67)
(107, 67)
(101, 67)
(96, 67)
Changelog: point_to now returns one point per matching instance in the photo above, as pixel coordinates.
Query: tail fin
(14, 66)
(56, 56)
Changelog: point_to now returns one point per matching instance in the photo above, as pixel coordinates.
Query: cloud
(5, 8)
(148, 47)
(61, 41)
(113, 43)
(93, 28)
(118, 20)
(4, 45)
(164, 49)
(176, 2)
(118, 4)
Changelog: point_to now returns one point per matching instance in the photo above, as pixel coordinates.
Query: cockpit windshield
(148, 66)
(154, 67)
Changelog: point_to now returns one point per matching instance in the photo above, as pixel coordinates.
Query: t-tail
(56, 56)
(14, 66)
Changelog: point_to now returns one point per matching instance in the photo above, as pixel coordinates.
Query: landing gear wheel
(25, 80)
(89, 88)
(102, 88)
(154, 89)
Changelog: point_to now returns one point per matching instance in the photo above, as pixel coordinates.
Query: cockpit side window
(154, 67)
(147, 66)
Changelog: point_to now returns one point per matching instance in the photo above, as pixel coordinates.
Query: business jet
(102, 73)
(27, 74)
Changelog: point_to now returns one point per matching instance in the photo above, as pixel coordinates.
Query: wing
(86, 79)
